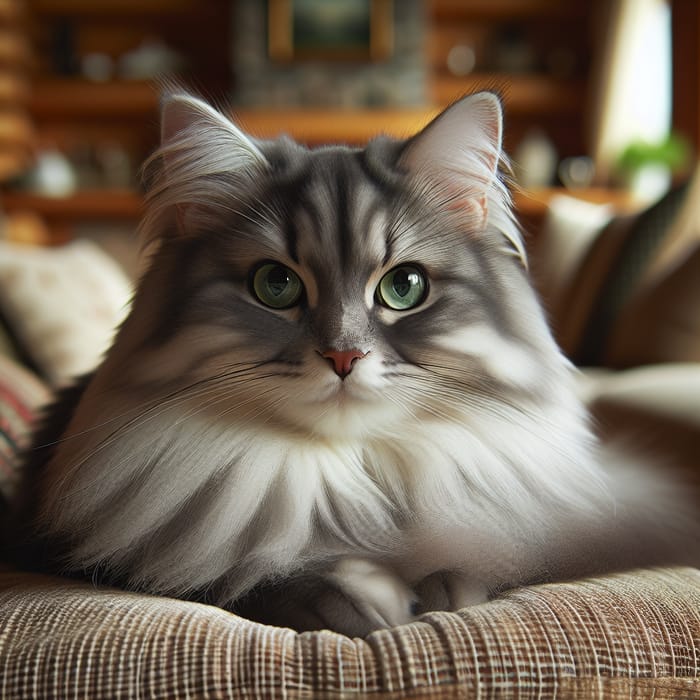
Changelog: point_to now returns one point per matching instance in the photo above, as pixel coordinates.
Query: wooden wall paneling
(685, 23)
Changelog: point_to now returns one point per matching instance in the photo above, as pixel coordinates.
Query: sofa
(622, 294)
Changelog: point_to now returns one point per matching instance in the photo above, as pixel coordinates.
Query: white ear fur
(197, 142)
(188, 124)
(460, 150)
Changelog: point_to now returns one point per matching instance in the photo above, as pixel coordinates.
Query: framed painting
(341, 30)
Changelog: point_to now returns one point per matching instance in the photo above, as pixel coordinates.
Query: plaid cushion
(629, 635)
(21, 393)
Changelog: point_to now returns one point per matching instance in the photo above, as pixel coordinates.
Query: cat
(336, 401)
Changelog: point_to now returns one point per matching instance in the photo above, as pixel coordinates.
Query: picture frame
(330, 30)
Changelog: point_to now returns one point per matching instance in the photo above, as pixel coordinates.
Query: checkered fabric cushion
(633, 635)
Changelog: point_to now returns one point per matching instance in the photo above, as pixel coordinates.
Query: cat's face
(343, 292)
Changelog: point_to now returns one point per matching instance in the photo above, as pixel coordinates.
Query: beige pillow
(62, 304)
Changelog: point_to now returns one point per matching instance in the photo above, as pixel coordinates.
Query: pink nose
(343, 360)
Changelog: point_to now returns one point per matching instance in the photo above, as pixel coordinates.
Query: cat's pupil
(277, 286)
(404, 281)
(277, 280)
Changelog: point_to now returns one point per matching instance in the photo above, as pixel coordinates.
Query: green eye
(277, 286)
(402, 288)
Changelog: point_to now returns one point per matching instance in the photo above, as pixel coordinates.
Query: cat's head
(337, 291)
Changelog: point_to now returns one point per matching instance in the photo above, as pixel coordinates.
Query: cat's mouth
(345, 391)
(346, 408)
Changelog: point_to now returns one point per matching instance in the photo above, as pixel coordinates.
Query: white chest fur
(197, 499)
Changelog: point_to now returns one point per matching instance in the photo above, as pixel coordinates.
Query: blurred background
(601, 97)
(602, 126)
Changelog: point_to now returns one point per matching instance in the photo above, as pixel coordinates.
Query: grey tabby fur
(236, 453)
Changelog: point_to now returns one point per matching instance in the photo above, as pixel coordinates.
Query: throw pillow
(62, 304)
(21, 394)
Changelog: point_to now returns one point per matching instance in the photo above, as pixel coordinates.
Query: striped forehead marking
(335, 229)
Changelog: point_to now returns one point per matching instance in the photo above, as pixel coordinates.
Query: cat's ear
(459, 152)
(186, 121)
(198, 145)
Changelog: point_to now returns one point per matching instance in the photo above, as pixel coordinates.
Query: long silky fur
(215, 450)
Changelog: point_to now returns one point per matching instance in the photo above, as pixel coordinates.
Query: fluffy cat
(336, 402)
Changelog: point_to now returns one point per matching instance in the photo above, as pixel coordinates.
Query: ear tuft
(177, 112)
(203, 162)
(190, 124)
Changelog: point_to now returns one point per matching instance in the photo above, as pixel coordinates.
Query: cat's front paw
(353, 596)
(450, 590)
(371, 597)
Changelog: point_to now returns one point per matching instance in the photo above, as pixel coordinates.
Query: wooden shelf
(506, 10)
(62, 215)
(107, 8)
(86, 205)
(535, 202)
(80, 100)
(127, 204)
(70, 111)
(531, 95)
(316, 126)
(523, 95)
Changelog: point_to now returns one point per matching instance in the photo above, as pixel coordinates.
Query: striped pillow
(21, 394)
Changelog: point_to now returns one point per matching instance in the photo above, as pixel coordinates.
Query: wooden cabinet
(536, 53)
(96, 62)
(686, 74)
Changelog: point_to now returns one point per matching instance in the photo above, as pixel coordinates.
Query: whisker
(123, 431)
(198, 389)
(156, 403)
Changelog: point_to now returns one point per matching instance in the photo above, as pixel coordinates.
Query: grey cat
(336, 402)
